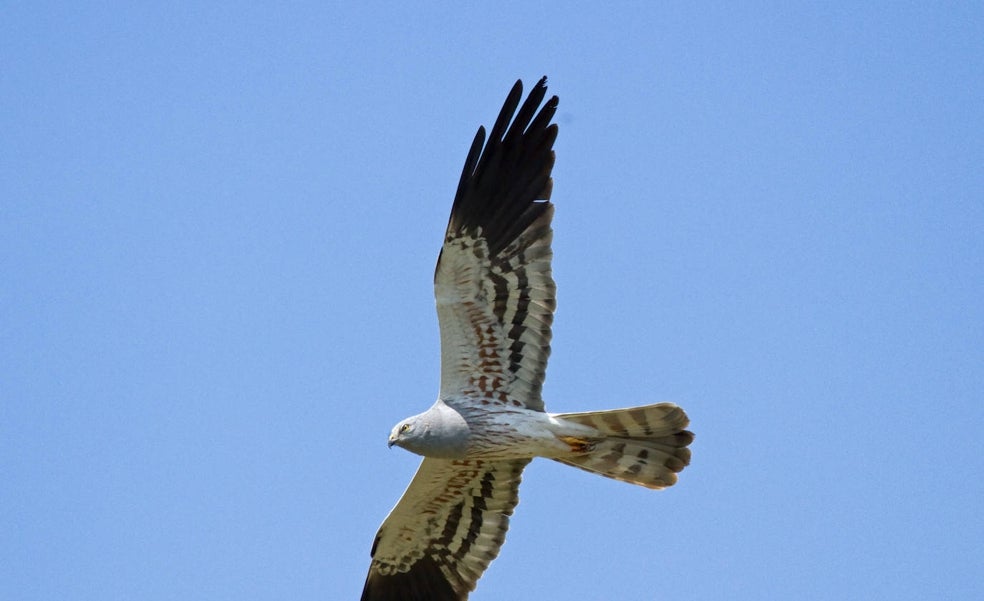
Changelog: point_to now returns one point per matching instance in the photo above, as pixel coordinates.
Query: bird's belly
(521, 435)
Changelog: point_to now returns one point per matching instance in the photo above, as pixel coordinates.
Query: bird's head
(438, 432)
(406, 432)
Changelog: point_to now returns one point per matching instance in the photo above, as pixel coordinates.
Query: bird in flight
(495, 302)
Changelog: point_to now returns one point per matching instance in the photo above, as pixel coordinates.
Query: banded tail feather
(641, 445)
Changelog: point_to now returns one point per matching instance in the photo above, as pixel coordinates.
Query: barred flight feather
(493, 283)
(445, 530)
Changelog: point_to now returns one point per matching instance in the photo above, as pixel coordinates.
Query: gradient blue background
(218, 227)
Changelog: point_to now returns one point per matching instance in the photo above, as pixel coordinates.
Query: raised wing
(444, 532)
(494, 289)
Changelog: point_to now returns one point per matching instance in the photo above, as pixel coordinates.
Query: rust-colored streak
(577, 445)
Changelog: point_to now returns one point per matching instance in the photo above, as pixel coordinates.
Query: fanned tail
(641, 445)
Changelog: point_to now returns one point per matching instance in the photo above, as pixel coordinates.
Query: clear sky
(218, 227)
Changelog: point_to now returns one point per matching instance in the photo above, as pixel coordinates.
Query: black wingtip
(424, 581)
(501, 183)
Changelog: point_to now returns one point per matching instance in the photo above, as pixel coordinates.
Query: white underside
(520, 433)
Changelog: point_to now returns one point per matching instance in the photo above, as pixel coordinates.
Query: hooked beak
(392, 441)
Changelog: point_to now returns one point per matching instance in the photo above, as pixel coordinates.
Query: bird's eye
(404, 428)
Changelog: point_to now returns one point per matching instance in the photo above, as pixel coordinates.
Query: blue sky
(218, 227)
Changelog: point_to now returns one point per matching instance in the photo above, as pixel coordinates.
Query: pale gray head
(439, 432)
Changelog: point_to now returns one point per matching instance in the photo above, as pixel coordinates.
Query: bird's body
(495, 301)
(510, 432)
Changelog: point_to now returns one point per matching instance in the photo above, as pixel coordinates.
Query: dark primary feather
(424, 582)
(499, 185)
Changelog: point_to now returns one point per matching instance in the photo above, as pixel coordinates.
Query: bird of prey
(495, 303)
